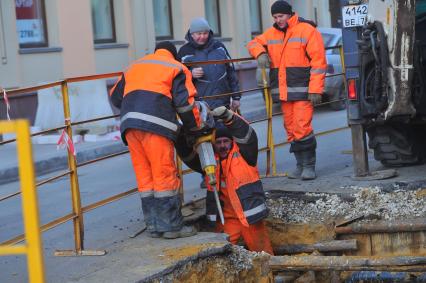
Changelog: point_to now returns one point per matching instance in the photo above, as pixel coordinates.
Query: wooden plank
(304, 263)
(406, 225)
(330, 246)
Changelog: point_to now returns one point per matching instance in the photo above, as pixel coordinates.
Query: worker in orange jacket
(240, 189)
(294, 51)
(149, 94)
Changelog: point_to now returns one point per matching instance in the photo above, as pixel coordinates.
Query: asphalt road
(115, 222)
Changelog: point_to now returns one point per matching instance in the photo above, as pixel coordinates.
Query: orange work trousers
(297, 116)
(153, 161)
(255, 236)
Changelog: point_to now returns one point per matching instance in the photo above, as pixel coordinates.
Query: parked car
(334, 89)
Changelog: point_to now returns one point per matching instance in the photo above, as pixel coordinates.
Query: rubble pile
(241, 259)
(369, 203)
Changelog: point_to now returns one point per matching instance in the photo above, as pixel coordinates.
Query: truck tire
(393, 146)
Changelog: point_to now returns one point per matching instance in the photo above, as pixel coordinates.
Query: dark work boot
(186, 231)
(309, 160)
(296, 173)
(149, 213)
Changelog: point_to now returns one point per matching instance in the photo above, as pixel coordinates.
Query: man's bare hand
(197, 72)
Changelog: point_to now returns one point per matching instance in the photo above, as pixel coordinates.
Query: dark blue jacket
(218, 78)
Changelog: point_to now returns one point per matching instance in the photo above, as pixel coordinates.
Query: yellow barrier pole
(29, 203)
(270, 153)
(75, 190)
(33, 246)
(268, 148)
(271, 135)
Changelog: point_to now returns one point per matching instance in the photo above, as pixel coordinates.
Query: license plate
(354, 15)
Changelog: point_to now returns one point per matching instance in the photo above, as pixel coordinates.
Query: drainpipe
(3, 53)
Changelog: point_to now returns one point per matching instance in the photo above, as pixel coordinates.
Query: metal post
(359, 151)
(75, 190)
(270, 153)
(29, 204)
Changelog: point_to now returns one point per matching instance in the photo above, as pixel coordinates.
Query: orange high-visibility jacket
(243, 186)
(298, 53)
(150, 93)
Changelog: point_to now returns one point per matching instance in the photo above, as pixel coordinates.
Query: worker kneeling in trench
(241, 194)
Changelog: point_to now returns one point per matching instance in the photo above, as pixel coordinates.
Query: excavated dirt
(239, 265)
(367, 202)
(174, 254)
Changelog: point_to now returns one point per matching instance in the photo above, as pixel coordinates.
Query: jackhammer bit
(204, 148)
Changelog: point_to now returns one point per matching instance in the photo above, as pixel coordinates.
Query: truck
(384, 45)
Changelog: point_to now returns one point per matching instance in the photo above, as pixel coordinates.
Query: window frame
(44, 21)
(255, 33)
(114, 35)
(171, 36)
(218, 33)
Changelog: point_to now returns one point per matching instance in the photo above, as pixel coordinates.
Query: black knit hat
(168, 46)
(222, 131)
(281, 7)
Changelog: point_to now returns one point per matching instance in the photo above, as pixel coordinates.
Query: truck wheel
(340, 95)
(393, 146)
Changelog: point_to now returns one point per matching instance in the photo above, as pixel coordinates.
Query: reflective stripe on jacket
(298, 53)
(244, 188)
(150, 93)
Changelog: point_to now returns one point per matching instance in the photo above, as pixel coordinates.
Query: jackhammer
(203, 146)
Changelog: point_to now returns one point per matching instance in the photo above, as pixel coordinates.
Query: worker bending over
(240, 189)
(149, 94)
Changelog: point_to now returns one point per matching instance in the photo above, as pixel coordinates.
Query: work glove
(263, 61)
(223, 113)
(315, 98)
(235, 104)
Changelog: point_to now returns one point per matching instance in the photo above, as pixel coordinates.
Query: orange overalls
(149, 94)
(299, 55)
(244, 207)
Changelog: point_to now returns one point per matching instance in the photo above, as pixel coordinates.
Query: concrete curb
(56, 163)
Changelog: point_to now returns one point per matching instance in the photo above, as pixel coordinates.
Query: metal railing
(77, 214)
(33, 245)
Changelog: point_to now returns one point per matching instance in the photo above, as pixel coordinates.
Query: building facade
(49, 40)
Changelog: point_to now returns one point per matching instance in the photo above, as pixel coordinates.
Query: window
(255, 17)
(103, 21)
(31, 23)
(163, 19)
(212, 15)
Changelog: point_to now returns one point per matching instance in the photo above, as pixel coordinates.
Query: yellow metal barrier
(77, 210)
(33, 245)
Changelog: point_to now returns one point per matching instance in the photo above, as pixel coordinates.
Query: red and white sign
(64, 140)
(6, 100)
(29, 23)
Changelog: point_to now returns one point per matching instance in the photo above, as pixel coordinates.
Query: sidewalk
(47, 158)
